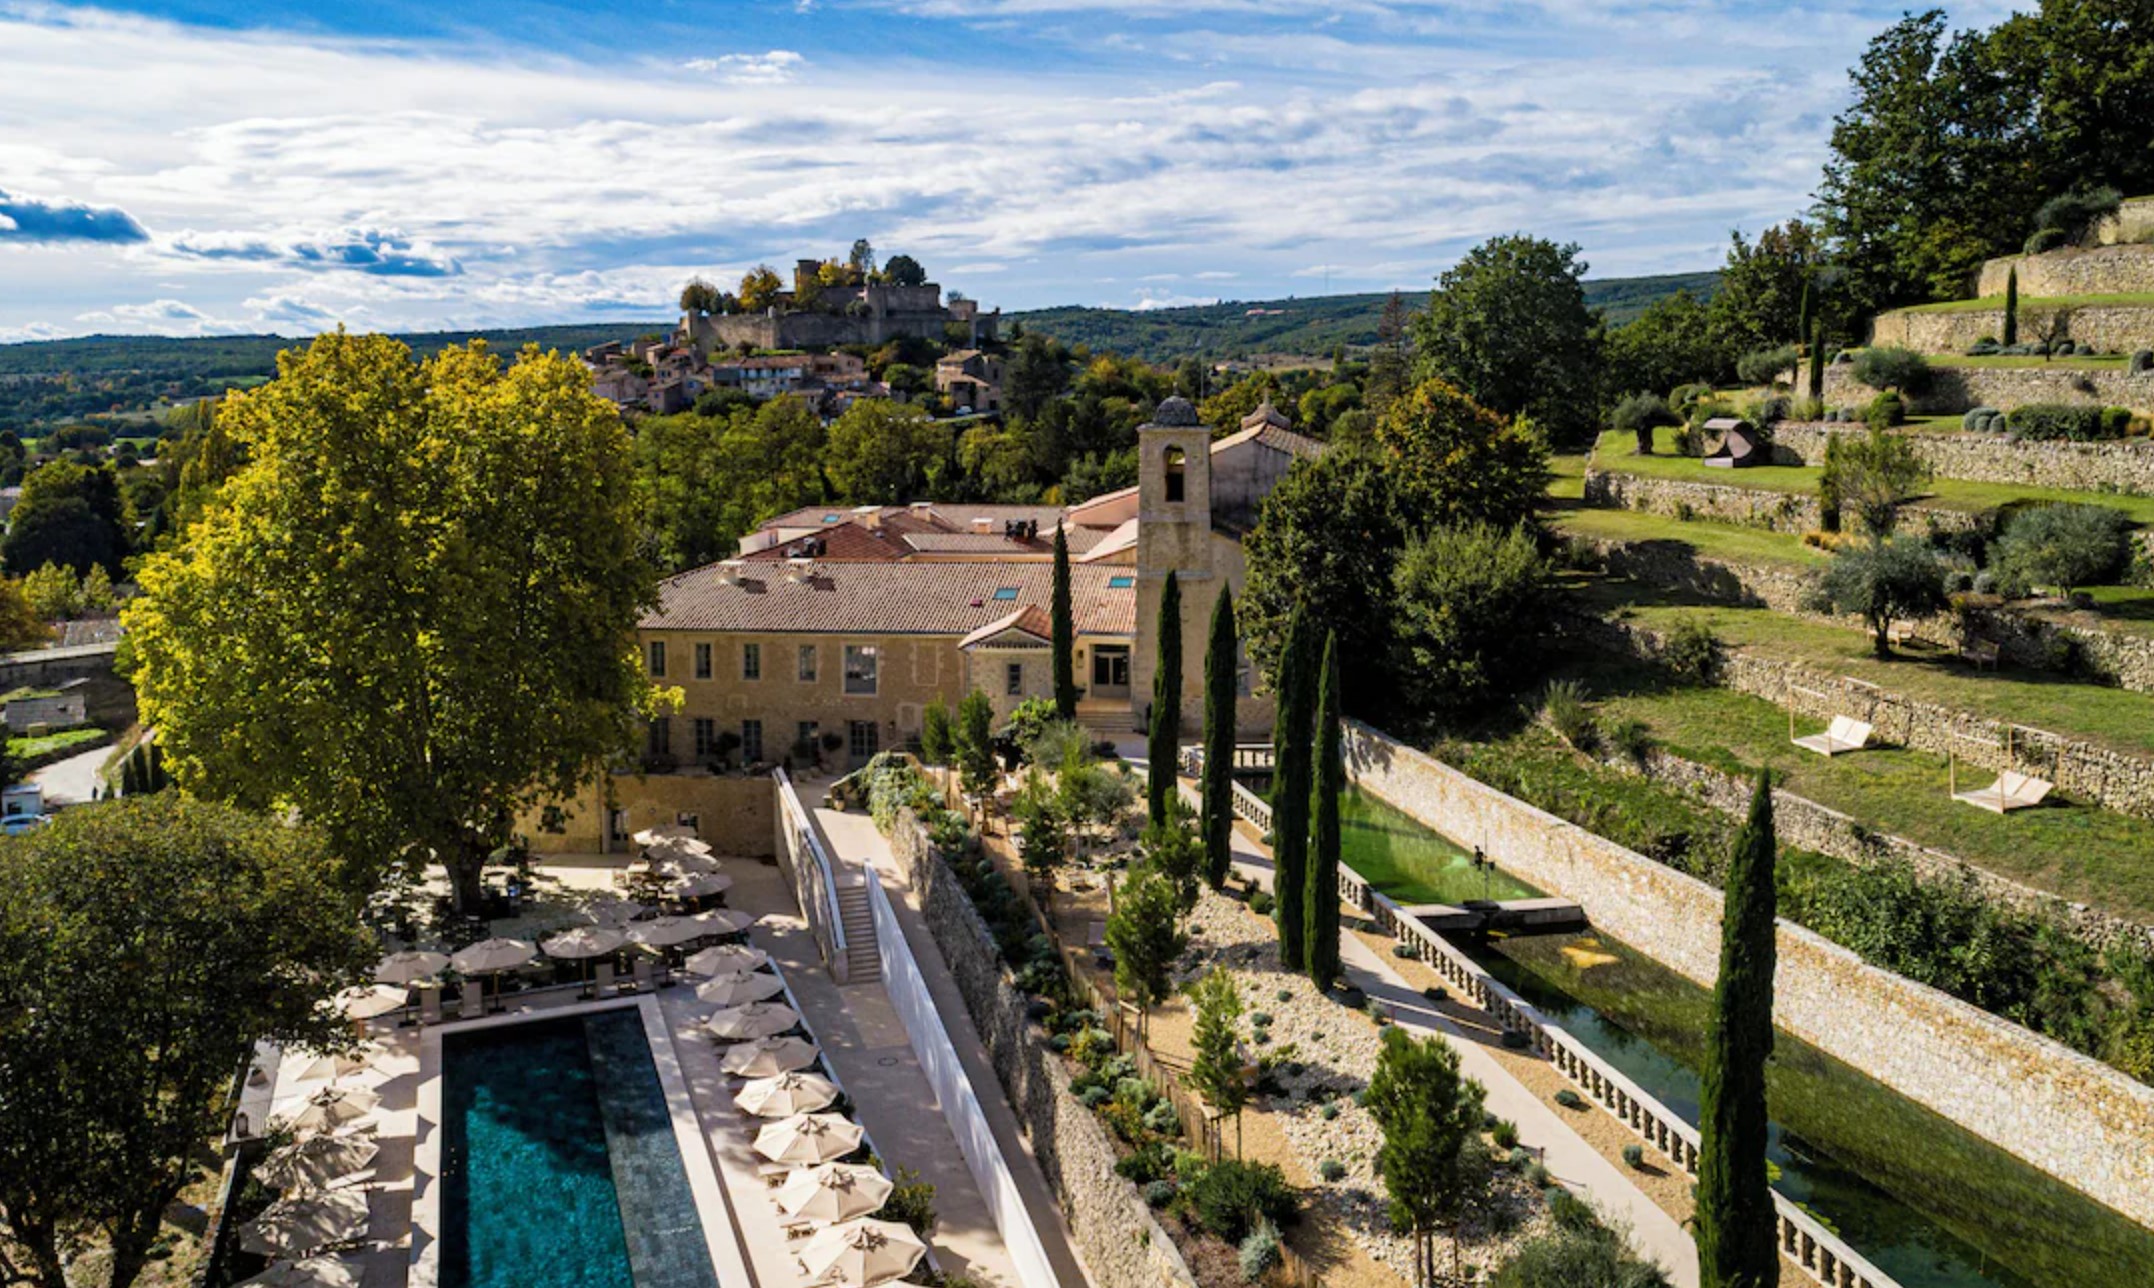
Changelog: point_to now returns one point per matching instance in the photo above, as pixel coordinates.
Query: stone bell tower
(1174, 534)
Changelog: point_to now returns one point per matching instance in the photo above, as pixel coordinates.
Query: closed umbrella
(727, 958)
(755, 1020)
(785, 1094)
(833, 1192)
(366, 1001)
(334, 1107)
(489, 956)
(766, 1056)
(664, 832)
(410, 967)
(808, 1139)
(314, 1272)
(863, 1252)
(294, 1227)
(663, 932)
(312, 1162)
(699, 887)
(722, 921)
(739, 986)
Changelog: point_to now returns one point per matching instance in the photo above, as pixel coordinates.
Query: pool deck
(863, 1043)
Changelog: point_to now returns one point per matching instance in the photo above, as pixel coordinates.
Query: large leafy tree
(69, 514)
(145, 946)
(703, 481)
(1322, 887)
(1735, 1225)
(1759, 304)
(1882, 582)
(411, 615)
(1671, 343)
(1509, 326)
(1037, 373)
(1431, 1159)
(1166, 732)
(1474, 604)
(887, 453)
(1216, 814)
(1459, 462)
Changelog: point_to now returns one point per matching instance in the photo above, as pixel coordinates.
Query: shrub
(2116, 422)
(1329, 1112)
(1763, 413)
(1284, 995)
(1146, 1165)
(1982, 420)
(1983, 347)
(1563, 706)
(1882, 583)
(1435, 993)
(1331, 1169)
(1504, 1133)
(1630, 739)
(2072, 214)
(1094, 1097)
(2043, 239)
(1885, 411)
(1468, 601)
(911, 1201)
(1259, 1252)
(1691, 651)
(1891, 367)
(2142, 363)
(1522, 1157)
(1159, 1193)
(1807, 409)
(1517, 1039)
(1260, 902)
(1570, 1099)
(1634, 1156)
(2063, 546)
(1260, 1020)
(1640, 415)
(1685, 397)
(1402, 950)
(1765, 366)
(2074, 422)
(1231, 1196)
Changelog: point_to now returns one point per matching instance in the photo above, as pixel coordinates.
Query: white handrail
(803, 827)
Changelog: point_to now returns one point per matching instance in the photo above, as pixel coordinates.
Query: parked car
(17, 824)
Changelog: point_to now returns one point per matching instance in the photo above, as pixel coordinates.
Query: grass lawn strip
(1728, 542)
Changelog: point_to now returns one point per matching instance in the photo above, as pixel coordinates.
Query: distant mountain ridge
(1312, 325)
(256, 355)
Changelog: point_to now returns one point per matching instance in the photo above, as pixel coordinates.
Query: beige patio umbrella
(664, 832)
(738, 987)
(725, 959)
(766, 1056)
(723, 921)
(340, 1064)
(585, 942)
(755, 1020)
(662, 932)
(833, 1192)
(674, 846)
(312, 1162)
(863, 1252)
(699, 887)
(365, 1001)
(491, 956)
(808, 1139)
(334, 1107)
(611, 910)
(314, 1272)
(294, 1227)
(410, 967)
(785, 1094)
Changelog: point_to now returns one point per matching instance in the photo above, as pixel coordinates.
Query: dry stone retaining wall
(1115, 1232)
(2118, 327)
(2075, 1118)
(2072, 270)
(1791, 512)
(2125, 466)
(1953, 390)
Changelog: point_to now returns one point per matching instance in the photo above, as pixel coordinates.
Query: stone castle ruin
(815, 316)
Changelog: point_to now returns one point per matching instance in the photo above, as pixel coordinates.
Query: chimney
(730, 572)
(800, 571)
(984, 526)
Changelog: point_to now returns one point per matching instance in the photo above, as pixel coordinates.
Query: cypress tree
(1065, 632)
(1166, 698)
(131, 773)
(1735, 1221)
(1290, 790)
(1322, 931)
(1817, 358)
(1217, 811)
(1802, 316)
(2011, 306)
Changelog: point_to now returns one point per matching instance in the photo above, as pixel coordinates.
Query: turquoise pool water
(559, 1163)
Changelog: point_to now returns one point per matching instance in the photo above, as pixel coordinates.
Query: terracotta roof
(845, 541)
(980, 543)
(1267, 434)
(1266, 414)
(888, 598)
(1031, 620)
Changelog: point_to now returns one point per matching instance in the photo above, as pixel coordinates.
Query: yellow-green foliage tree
(411, 614)
(759, 288)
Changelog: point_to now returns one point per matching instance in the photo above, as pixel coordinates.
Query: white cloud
(773, 68)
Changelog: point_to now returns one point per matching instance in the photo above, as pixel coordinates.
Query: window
(1006, 592)
(1121, 583)
(656, 658)
(807, 664)
(751, 741)
(1176, 460)
(751, 661)
(805, 732)
(1013, 679)
(660, 739)
(863, 738)
(703, 661)
(706, 736)
(617, 824)
(860, 664)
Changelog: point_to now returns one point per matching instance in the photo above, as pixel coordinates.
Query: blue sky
(193, 168)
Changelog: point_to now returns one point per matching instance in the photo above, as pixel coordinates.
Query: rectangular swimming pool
(559, 1165)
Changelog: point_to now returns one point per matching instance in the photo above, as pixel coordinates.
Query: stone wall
(1790, 512)
(1114, 1230)
(1807, 825)
(2098, 270)
(2082, 771)
(2077, 1119)
(2125, 466)
(2122, 328)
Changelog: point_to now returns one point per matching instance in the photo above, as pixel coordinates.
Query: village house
(971, 380)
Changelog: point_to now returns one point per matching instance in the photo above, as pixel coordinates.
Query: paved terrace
(861, 1039)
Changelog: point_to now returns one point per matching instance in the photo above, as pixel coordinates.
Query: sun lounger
(1845, 733)
(2012, 790)
(471, 1000)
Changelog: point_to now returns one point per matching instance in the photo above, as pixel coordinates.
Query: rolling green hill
(1312, 325)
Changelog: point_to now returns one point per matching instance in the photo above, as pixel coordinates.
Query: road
(72, 781)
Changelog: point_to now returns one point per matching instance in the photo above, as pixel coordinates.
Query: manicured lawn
(1617, 452)
(1727, 542)
(2140, 299)
(2080, 852)
(2115, 718)
(21, 749)
(2125, 608)
(1567, 478)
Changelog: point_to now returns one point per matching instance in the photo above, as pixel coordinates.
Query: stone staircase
(863, 958)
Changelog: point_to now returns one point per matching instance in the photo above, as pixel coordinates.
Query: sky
(183, 167)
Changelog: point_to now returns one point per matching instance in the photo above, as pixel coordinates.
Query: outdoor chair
(429, 1006)
(1845, 733)
(471, 1000)
(2012, 790)
(1981, 653)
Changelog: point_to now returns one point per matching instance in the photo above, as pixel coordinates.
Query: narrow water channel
(1929, 1203)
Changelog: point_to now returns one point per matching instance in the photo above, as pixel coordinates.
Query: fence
(806, 864)
(1248, 756)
